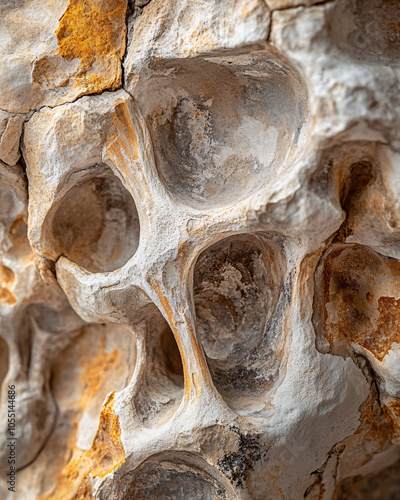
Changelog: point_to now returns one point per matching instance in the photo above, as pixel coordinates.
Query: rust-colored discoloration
(392, 414)
(91, 44)
(122, 147)
(362, 299)
(91, 29)
(95, 371)
(107, 447)
(388, 326)
(106, 452)
(105, 455)
(7, 278)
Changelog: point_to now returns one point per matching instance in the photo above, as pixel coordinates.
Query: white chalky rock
(200, 293)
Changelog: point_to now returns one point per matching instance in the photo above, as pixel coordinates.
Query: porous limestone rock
(54, 52)
(200, 249)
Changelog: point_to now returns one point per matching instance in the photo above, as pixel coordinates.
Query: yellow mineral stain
(106, 452)
(7, 278)
(95, 371)
(123, 146)
(92, 28)
(92, 32)
(105, 455)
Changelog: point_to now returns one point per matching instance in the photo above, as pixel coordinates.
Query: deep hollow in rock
(357, 300)
(178, 476)
(225, 125)
(237, 288)
(95, 224)
(162, 382)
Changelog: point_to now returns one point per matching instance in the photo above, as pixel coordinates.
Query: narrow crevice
(127, 41)
(133, 13)
(13, 112)
(78, 98)
(370, 376)
(361, 174)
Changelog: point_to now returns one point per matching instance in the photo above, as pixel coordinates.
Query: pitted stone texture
(171, 29)
(10, 133)
(36, 324)
(354, 86)
(227, 235)
(53, 53)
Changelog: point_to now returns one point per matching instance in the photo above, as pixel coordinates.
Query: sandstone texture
(200, 249)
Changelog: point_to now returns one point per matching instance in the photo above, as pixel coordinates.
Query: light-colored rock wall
(200, 249)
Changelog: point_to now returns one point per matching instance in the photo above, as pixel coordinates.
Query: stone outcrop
(199, 241)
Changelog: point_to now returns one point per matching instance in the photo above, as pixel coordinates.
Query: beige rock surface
(54, 52)
(199, 243)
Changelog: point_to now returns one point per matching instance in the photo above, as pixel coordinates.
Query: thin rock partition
(199, 250)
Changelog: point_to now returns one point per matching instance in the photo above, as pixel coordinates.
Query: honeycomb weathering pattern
(199, 241)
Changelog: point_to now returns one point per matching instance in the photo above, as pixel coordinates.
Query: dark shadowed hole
(174, 476)
(223, 126)
(161, 388)
(359, 176)
(237, 294)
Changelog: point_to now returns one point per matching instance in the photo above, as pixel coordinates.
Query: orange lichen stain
(107, 447)
(92, 32)
(106, 452)
(354, 310)
(392, 415)
(105, 455)
(122, 147)
(7, 278)
(92, 28)
(95, 371)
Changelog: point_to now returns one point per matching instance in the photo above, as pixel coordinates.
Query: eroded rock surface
(200, 249)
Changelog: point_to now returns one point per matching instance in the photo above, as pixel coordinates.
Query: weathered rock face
(200, 249)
